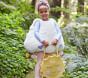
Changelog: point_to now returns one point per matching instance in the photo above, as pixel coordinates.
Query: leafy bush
(5, 8)
(82, 19)
(79, 72)
(26, 9)
(75, 35)
(12, 53)
(70, 49)
(28, 12)
(77, 67)
(29, 17)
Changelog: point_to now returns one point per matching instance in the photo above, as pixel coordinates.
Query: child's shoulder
(36, 19)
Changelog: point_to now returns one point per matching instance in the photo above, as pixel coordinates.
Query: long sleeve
(38, 36)
(59, 36)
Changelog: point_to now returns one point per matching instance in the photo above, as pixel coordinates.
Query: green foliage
(80, 71)
(28, 12)
(10, 1)
(12, 53)
(5, 8)
(10, 5)
(75, 35)
(70, 49)
(29, 17)
(25, 8)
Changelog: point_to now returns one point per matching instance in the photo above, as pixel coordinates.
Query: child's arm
(58, 37)
(38, 36)
(59, 33)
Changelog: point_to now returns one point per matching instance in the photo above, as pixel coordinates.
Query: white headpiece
(42, 2)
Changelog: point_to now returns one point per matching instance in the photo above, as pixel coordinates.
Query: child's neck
(45, 19)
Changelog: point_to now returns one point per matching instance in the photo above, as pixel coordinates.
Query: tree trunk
(66, 5)
(57, 3)
(85, 7)
(81, 6)
(54, 4)
(73, 8)
(64, 15)
(33, 2)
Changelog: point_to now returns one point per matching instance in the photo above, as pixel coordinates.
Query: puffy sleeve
(33, 23)
(38, 36)
(59, 36)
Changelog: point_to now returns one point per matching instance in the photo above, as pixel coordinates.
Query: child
(44, 32)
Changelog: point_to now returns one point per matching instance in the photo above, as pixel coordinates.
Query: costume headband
(42, 2)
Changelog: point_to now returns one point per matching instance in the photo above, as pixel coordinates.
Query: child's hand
(54, 42)
(45, 43)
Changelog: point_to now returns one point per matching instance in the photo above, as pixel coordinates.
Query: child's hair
(42, 2)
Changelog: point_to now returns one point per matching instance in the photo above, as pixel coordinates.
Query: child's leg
(61, 53)
(37, 67)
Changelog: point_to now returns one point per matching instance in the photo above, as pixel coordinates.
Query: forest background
(16, 17)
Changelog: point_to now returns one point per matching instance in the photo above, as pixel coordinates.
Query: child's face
(44, 12)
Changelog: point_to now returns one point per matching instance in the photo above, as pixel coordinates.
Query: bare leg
(61, 53)
(37, 67)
